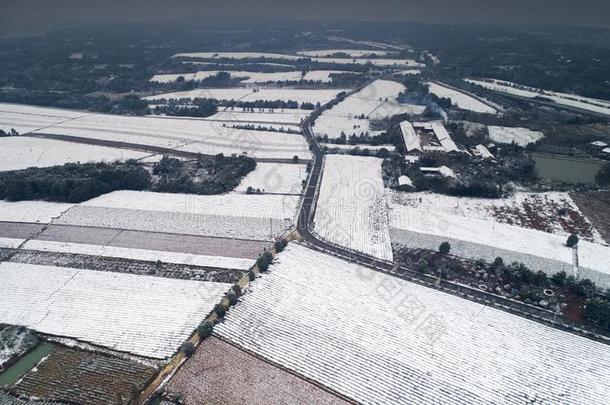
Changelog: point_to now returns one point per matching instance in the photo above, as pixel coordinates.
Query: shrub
(205, 329)
(264, 261)
(444, 248)
(232, 297)
(422, 265)
(280, 245)
(220, 311)
(498, 262)
(236, 289)
(597, 311)
(572, 240)
(559, 278)
(187, 348)
(251, 275)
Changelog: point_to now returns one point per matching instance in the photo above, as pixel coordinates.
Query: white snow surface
(571, 100)
(378, 339)
(236, 55)
(18, 152)
(251, 77)
(143, 315)
(398, 63)
(32, 211)
(10, 243)
(499, 235)
(219, 262)
(354, 53)
(24, 118)
(518, 135)
(512, 210)
(281, 178)
(460, 99)
(375, 101)
(277, 116)
(352, 210)
(193, 135)
(314, 96)
(242, 205)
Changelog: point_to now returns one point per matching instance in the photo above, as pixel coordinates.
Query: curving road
(305, 228)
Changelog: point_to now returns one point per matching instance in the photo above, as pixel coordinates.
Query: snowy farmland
(353, 53)
(17, 152)
(375, 101)
(24, 118)
(251, 77)
(520, 136)
(460, 99)
(145, 255)
(386, 63)
(351, 209)
(539, 211)
(476, 238)
(236, 55)
(192, 135)
(252, 94)
(148, 316)
(241, 216)
(570, 100)
(32, 211)
(286, 116)
(380, 340)
(277, 178)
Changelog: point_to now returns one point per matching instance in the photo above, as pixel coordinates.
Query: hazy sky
(36, 14)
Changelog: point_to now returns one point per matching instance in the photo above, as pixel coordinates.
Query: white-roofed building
(410, 137)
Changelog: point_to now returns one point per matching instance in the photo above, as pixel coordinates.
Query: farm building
(427, 137)
(482, 152)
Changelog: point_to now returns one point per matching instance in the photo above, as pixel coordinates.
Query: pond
(566, 169)
(12, 374)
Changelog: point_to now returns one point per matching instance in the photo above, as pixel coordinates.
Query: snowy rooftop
(410, 137)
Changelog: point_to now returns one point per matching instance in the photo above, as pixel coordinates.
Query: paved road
(305, 220)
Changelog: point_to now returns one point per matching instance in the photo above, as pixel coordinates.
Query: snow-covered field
(540, 211)
(520, 136)
(251, 77)
(380, 340)
(220, 262)
(241, 216)
(351, 209)
(10, 243)
(276, 116)
(571, 100)
(24, 118)
(398, 63)
(32, 211)
(321, 96)
(375, 101)
(374, 148)
(236, 55)
(144, 315)
(192, 135)
(462, 100)
(279, 178)
(256, 206)
(18, 153)
(354, 53)
(486, 232)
